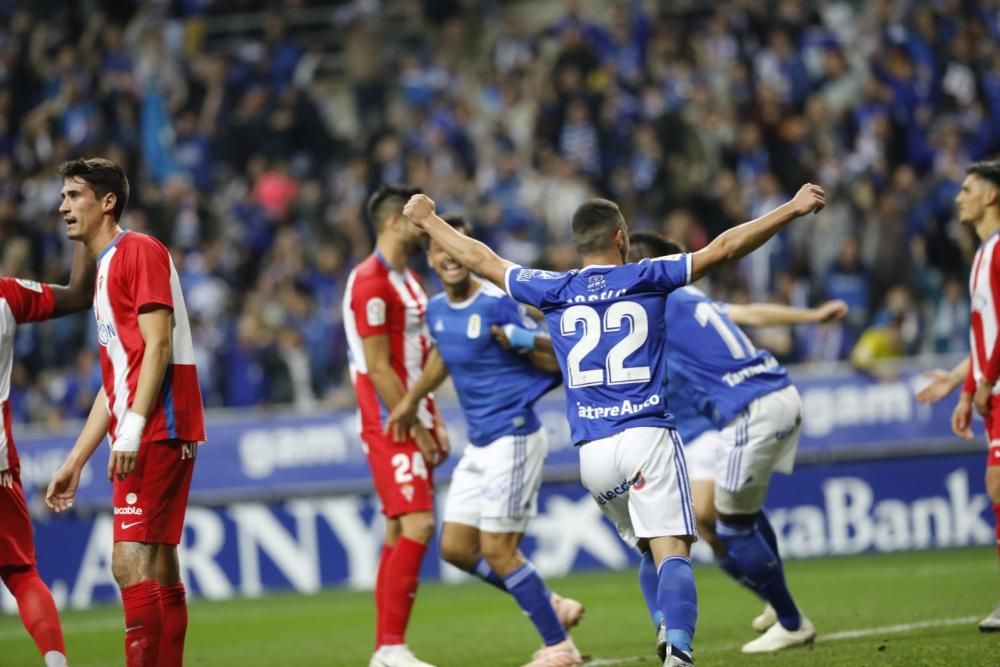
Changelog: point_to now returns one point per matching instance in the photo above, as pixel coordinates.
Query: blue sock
(679, 601)
(649, 582)
(761, 568)
(483, 570)
(530, 591)
(767, 532)
(732, 568)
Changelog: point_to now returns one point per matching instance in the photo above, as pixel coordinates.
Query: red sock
(143, 623)
(402, 580)
(380, 583)
(173, 606)
(36, 606)
(996, 514)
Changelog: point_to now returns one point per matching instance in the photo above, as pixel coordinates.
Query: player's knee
(708, 533)
(458, 553)
(501, 554)
(132, 563)
(418, 527)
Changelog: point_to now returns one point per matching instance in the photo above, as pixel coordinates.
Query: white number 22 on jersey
(614, 365)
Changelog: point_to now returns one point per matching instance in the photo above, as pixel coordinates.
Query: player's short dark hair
(387, 201)
(655, 244)
(103, 176)
(986, 169)
(594, 225)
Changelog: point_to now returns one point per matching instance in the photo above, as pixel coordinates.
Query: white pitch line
(901, 628)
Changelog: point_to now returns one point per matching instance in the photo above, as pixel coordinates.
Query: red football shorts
(993, 433)
(17, 540)
(150, 503)
(401, 478)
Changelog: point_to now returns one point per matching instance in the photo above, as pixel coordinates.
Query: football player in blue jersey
(494, 489)
(739, 416)
(609, 337)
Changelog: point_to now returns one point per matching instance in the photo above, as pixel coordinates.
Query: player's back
(609, 334)
(710, 355)
(497, 388)
(136, 273)
(381, 301)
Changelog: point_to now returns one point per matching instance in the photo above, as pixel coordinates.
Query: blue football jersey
(609, 334)
(497, 388)
(687, 402)
(709, 354)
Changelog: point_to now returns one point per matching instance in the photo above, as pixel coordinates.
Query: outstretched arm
(744, 239)
(472, 254)
(771, 314)
(79, 294)
(943, 382)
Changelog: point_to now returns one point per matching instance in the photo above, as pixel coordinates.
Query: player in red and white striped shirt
(384, 316)
(149, 406)
(28, 301)
(978, 205)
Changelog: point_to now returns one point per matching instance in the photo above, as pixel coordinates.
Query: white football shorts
(639, 479)
(759, 441)
(495, 487)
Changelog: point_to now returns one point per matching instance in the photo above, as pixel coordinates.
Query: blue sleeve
(666, 273)
(533, 286)
(511, 312)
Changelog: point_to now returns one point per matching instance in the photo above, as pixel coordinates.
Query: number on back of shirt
(734, 338)
(614, 372)
(407, 467)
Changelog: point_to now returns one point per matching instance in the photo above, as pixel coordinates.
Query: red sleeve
(370, 305)
(969, 387)
(149, 273)
(28, 300)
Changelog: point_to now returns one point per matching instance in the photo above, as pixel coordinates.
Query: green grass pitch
(907, 609)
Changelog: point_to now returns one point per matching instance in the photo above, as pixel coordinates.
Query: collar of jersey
(598, 266)
(461, 305)
(386, 264)
(112, 245)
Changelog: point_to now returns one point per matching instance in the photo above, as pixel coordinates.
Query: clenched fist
(419, 209)
(809, 199)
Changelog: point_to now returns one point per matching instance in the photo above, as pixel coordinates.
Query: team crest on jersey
(375, 311)
(407, 491)
(475, 326)
(439, 326)
(595, 283)
(33, 285)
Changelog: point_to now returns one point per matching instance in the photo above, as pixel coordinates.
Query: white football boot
(992, 622)
(765, 620)
(777, 638)
(399, 655)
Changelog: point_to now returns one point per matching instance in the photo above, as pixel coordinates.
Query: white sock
(54, 659)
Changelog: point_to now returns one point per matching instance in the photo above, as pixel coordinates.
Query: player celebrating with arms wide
(149, 406)
(27, 301)
(388, 345)
(608, 327)
(494, 489)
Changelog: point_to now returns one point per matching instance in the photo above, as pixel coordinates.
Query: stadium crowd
(251, 155)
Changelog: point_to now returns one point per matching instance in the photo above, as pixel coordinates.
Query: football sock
(483, 570)
(732, 568)
(401, 581)
(996, 525)
(649, 582)
(380, 586)
(143, 623)
(173, 606)
(527, 587)
(761, 569)
(37, 609)
(678, 599)
(767, 532)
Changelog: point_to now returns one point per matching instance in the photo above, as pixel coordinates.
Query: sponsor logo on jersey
(105, 333)
(131, 499)
(375, 312)
(738, 377)
(524, 275)
(626, 407)
(134, 511)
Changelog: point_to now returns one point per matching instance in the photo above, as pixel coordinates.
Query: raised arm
(79, 294)
(472, 254)
(744, 239)
(771, 314)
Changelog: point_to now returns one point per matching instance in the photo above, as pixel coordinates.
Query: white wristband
(130, 432)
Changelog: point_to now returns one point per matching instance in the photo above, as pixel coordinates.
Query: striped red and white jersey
(133, 272)
(20, 301)
(380, 300)
(984, 289)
